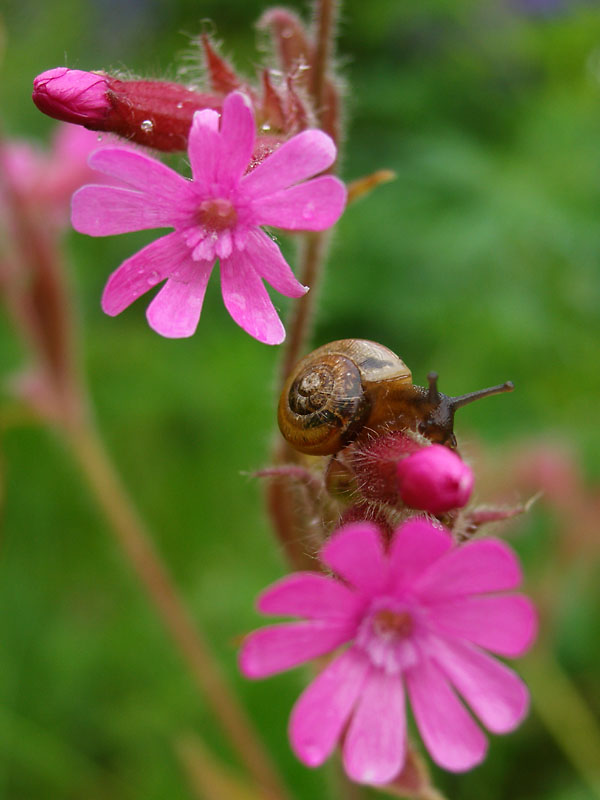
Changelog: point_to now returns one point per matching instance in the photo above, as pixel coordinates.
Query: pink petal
(308, 594)
(453, 739)
(247, 300)
(416, 545)
(504, 624)
(205, 148)
(487, 565)
(311, 206)
(142, 271)
(375, 745)
(495, 693)
(141, 172)
(175, 310)
(320, 713)
(238, 134)
(106, 210)
(301, 157)
(280, 647)
(355, 553)
(268, 262)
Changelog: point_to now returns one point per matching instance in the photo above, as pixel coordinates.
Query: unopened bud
(152, 113)
(72, 95)
(434, 479)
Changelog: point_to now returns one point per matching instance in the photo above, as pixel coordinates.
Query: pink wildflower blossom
(418, 620)
(215, 215)
(434, 479)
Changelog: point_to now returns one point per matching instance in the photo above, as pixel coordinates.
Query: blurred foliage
(480, 261)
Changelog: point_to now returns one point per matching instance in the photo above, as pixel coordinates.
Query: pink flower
(434, 479)
(418, 620)
(216, 215)
(45, 180)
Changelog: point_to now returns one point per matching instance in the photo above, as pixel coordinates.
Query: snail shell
(330, 395)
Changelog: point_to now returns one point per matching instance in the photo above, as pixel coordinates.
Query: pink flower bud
(434, 479)
(72, 95)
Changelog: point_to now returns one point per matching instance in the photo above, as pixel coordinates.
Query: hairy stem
(312, 259)
(137, 545)
(287, 510)
(326, 14)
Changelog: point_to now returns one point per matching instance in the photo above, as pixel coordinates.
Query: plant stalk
(135, 542)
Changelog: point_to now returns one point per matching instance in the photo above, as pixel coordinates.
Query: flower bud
(156, 114)
(72, 95)
(434, 479)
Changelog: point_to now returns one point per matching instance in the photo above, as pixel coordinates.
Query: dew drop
(147, 125)
(153, 278)
(179, 105)
(308, 210)
(99, 137)
(265, 127)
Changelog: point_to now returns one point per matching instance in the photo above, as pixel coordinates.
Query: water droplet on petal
(179, 105)
(265, 127)
(308, 211)
(99, 137)
(153, 278)
(147, 125)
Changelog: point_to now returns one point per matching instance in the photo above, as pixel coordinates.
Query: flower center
(388, 634)
(216, 214)
(392, 624)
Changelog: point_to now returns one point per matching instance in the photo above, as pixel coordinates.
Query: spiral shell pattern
(324, 402)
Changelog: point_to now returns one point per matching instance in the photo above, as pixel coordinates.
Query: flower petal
(175, 310)
(453, 739)
(495, 693)
(320, 713)
(141, 172)
(301, 157)
(355, 553)
(375, 745)
(142, 271)
(416, 545)
(308, 594)
(280, 647)
(106, 210)
(247, 300)
(238, 134)
(487, 565)
(205, 148)
(311, 206)
(504, 624)
(268, 262)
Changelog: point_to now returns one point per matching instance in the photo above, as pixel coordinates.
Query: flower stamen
(392, 624)
(216, 215)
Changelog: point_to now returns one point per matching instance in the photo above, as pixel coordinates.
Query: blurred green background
(480, 261)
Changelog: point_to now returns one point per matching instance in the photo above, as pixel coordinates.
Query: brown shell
(327, 399)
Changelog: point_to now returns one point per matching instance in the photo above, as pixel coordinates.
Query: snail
(355, 387)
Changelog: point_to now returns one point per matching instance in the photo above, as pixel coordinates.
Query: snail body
(354, 387)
